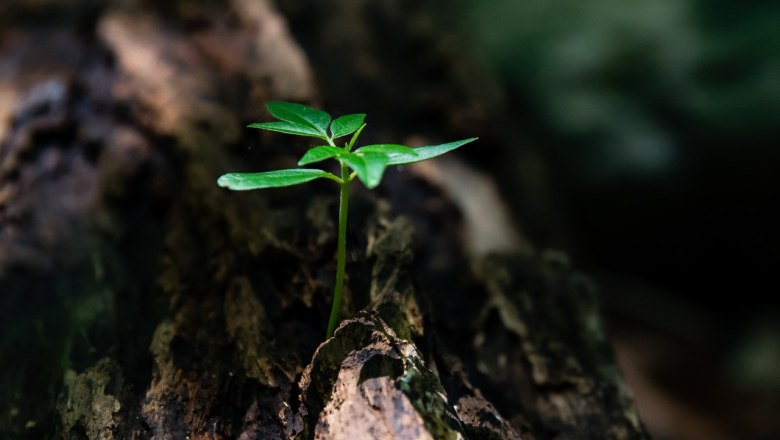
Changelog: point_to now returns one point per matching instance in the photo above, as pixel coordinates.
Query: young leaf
(317, 154)
(425, 153)
(369, 166)
(388, 149)
(269, 179)
(300, 114)
(346, 124)
(287, 127)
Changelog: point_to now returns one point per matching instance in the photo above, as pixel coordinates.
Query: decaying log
(166, 307)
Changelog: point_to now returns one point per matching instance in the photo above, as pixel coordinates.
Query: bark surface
(140, 300)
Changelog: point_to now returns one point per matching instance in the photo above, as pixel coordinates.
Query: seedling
(367, 163)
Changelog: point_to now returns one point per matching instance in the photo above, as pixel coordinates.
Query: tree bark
(140, 300)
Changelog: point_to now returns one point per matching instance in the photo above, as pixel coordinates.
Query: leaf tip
(224, 181)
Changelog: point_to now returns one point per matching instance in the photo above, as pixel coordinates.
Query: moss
(87, 404)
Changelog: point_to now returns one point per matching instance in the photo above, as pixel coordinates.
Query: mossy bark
(140, 300)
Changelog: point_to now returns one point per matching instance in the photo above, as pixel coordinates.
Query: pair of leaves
(303, 120)
(368, 162)
(369, 165)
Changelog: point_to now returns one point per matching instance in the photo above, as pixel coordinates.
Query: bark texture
(142, 301)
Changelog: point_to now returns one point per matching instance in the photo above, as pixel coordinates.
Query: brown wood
(169, 308)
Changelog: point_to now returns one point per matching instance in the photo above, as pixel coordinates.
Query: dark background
(658, 125)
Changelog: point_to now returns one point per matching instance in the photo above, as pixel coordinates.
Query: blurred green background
(659, 123)
(659, 120)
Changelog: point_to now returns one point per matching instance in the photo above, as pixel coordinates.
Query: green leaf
(346, 124)
(388, 149)
(323, 152)
(287, 127)
(300, 114)
(425, 153)
(369, 166)
(270, 179)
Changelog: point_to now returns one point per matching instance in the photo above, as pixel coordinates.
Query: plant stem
(341, 252)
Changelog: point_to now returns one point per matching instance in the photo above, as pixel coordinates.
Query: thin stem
(355, 138)
(333, 178)
(341, 252)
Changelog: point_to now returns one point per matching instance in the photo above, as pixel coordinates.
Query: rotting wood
(437, 344)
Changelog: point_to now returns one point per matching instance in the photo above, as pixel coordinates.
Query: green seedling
(367, 163)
